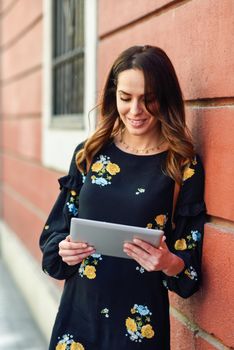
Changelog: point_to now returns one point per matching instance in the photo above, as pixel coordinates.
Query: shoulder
(79, 147)
(73, 170)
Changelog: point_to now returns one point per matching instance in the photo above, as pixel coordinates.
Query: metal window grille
(68, 58)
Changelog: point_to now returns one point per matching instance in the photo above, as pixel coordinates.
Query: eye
(125, 99)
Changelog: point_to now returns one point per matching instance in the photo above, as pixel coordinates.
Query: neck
(141, 145)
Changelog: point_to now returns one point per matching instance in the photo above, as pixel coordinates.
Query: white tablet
(108, 238)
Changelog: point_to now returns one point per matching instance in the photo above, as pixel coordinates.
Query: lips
(136, 122)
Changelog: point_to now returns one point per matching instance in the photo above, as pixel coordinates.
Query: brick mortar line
(19, 76)
(21, 34)
(8, 8)
(159, 11)
(197, 331)
(30, 161)
(7, 117)
(214, 102)
(19, 157)
(226, 226)
(213, 107)
(25, 202)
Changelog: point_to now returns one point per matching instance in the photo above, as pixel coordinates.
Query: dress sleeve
(57, 225)
(186, 239)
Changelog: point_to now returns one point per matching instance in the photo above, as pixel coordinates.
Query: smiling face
(130, 99)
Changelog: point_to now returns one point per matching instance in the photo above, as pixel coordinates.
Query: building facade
(50, 49)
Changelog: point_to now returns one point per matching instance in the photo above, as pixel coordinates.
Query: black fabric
(113, 303)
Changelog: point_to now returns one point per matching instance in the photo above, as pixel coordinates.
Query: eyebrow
(126, 93)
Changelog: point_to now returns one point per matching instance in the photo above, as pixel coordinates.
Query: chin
(138, 131)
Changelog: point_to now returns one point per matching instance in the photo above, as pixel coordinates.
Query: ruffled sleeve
(186, 239)
(57, 225)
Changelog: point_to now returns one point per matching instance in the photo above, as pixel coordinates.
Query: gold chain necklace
(141, 151)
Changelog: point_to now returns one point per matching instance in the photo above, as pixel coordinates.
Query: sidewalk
(18, 330)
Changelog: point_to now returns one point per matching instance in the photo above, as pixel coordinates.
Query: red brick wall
(198, 36)
(28, 189)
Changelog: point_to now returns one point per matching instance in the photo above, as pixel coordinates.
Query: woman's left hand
(154, 259)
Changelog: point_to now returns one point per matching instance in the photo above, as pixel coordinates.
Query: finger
(73, 260)
(146, 264)
(73, 252)
(137, 250)
(149, 248)
(143, 259)
(72, 245)
(135, 257)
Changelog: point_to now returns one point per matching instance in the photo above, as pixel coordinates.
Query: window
(68, 62)
(69, 77)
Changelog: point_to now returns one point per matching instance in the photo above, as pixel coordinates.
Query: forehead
(131, 81)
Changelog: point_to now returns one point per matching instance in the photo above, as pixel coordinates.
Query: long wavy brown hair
(168, 107)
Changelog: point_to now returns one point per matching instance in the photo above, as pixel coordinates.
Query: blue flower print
(72, 209)
(165, 284)
(191, 273)
(88, 267)
(105, 312)
(138, 324)
(142, 310)
(73, 203)
(196, 236)
(140, 191)
(67, 343)
(140, 269)
(103, 171)
(189, 242)
(97, 256)
(100, 181)
(83, 178)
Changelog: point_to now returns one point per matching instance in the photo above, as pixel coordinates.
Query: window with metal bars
(68, 61)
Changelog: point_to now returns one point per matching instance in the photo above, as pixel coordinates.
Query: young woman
(126, 173)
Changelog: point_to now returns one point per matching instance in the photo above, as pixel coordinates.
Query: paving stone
(17, 327)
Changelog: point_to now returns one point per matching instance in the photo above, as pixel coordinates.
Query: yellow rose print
(112, 168)
(90, 272)
(61, 346)
(138, 325)
(147, 331)
(76, 346)
(149, 225)
(180, 244)
(104, 170)
(73, 193)
(96, 167)
(131, 325)
(188, 173)
(161, 220)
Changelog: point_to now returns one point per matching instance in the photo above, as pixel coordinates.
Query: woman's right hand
(73, 253)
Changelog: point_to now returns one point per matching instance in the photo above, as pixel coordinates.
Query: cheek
(153, 121)
(122, 108)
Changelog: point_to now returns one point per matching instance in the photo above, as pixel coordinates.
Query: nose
(136, 107)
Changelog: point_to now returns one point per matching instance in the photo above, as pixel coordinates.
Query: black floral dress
(113, 303)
